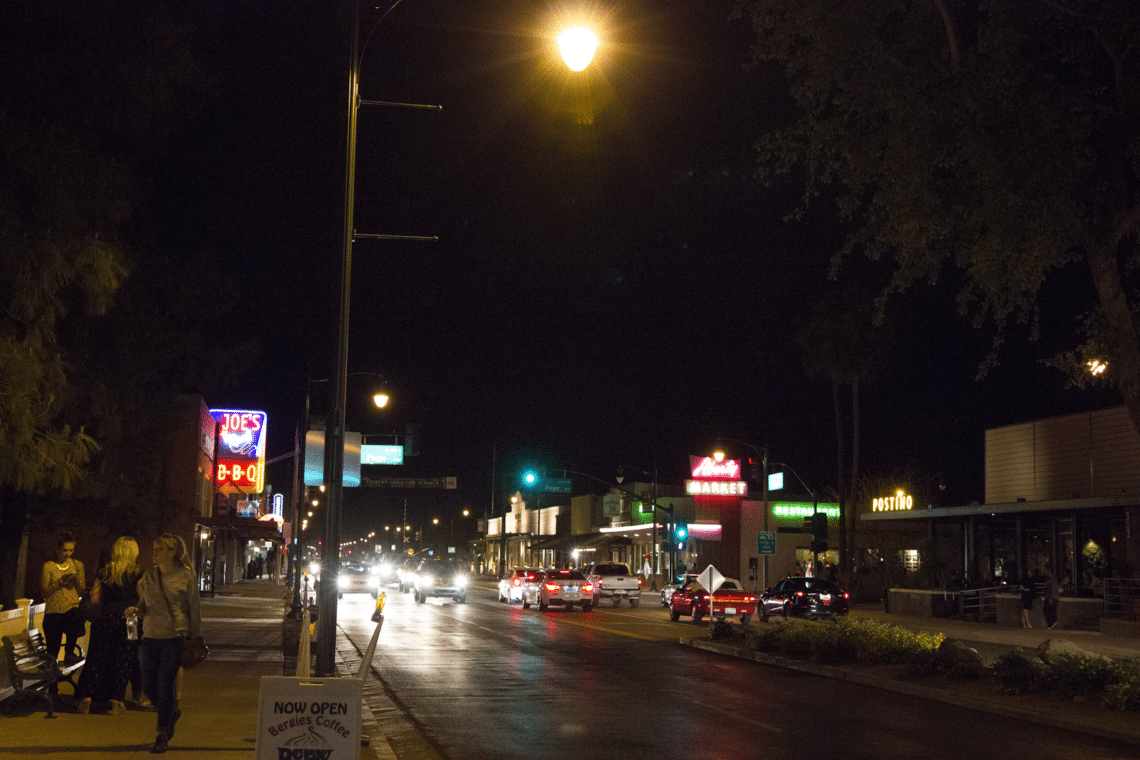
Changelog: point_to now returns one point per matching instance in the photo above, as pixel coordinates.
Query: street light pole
(656, 561)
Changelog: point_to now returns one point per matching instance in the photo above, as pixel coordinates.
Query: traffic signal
(819, 526)
(681, 532)
(530, 477)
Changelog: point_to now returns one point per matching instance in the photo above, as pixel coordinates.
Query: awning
(552, 542)
(606, 539)
(246, 528)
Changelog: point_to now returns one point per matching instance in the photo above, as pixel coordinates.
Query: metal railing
(979, 603)
(1122, 598)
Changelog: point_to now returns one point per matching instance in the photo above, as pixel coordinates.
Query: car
(357, 579)
(561, 587)
(671, 586)
(798, 596)
(405, 572)
(512, 582)
(729, 600)
(440, 577)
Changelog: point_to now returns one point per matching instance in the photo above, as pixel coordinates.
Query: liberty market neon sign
(713, 478)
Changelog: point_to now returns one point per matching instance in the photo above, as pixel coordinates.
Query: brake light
(516, 582)
(846, 595)
(639, 582)
(587, 589)
(799, 593)
(550, 586)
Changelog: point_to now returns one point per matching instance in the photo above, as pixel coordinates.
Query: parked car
(671, 586)
(729, 600)
(440, 577)
(512, 582)
(562, 587)
(804, 597)
(357, 579)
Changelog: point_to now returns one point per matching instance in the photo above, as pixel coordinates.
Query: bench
(28, 670)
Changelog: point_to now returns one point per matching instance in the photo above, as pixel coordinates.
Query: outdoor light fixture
(577, 45)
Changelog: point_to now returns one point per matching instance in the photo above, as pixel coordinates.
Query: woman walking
(168, 603)
(110, 654)
(61, 584)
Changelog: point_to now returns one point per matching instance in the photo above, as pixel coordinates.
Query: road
(487, 680)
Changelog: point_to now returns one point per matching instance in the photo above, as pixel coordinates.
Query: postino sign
(713, 478)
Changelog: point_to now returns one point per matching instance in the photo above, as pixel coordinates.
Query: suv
(440, 577)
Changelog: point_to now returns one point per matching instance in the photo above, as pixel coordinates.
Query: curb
(993, 706)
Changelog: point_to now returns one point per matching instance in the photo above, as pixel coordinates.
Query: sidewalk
(242, 625)
(991, 642)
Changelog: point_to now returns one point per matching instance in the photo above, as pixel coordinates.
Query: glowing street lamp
(577, 45)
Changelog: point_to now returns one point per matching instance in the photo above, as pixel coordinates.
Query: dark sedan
(804, 597)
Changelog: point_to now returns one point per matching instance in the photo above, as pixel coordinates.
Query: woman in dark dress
(111, 655)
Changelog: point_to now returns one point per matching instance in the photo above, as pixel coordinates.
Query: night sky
(611, 283)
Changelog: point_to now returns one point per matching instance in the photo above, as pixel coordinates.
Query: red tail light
(587, 589)
(639, 582)
(552, 587)
(846, 595)
(516, 582)
(799, 593)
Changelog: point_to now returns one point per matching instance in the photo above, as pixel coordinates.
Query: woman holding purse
(168, 605)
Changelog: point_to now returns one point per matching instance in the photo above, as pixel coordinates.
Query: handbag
(91, 605)
(194, 650)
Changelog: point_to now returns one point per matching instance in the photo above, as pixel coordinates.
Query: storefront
(1062, 496)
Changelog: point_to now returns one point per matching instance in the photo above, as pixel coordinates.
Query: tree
(840, 338)
(1001, 140)
(87, 90)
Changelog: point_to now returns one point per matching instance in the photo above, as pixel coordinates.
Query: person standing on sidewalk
(110, 654)
(61, 583)
(1052, 597)
(1028, 594)
(168, 603)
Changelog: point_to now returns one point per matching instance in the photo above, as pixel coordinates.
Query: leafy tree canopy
(1001, 140)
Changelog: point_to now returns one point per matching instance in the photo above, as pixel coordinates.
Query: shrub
(847, 641)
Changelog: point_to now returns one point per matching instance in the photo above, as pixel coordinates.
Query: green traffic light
(682, 532)
(530, 477)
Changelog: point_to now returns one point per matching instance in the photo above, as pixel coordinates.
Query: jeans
(160, 660)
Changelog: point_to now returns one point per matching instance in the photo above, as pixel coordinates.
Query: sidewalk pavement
(991, 641)
(242, 625)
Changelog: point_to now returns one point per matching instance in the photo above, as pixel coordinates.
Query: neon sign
(246, 474)
(900, 502)
(716, 487)
(240, 432)
(707, 467)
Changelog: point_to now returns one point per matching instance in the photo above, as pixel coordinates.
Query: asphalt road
(487, 680)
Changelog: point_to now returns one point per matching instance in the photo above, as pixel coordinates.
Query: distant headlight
(373, 582)
(314, 568)
(461, 581)
(386, 569)
(374, 570)
(342, 582)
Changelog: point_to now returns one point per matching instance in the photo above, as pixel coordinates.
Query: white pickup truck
(613, 581)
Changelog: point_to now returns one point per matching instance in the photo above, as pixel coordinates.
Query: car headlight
(427, 580)
(385, 569)
(373, 582)
(461, 581)
(342, 582)
(314, 568)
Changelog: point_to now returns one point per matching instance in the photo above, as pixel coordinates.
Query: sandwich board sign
(309, 718)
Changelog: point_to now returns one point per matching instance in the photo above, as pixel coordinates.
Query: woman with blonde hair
(110, 654)
(168, 603)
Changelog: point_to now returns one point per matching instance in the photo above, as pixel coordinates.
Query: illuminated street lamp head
(1096, 367)
(380, 399)
(577, 45)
